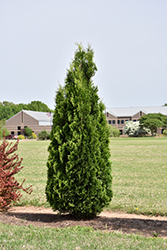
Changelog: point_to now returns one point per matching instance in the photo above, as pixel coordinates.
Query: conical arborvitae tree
(79, 170)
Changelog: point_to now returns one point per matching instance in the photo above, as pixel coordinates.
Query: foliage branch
(10, 164)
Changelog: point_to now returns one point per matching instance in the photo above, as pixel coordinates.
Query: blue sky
(129, 38)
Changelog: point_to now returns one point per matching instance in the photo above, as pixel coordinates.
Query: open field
(139, 173)
(72, 238)
(139, 185)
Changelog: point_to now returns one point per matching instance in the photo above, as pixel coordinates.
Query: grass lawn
(139, 185)
(72, 238)
(139, 170)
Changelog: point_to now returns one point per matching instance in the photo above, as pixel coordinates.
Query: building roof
(42, 117)
(126, 112)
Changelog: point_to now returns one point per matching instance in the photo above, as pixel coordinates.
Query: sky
(129, 38)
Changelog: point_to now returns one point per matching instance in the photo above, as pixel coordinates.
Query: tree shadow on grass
(145, 227)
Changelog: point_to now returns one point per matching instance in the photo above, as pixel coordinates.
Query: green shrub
(113, 132)
(21, 137)
(3, 130)
(27, 131)
(79, 169)
(165, 132)
(43, 135)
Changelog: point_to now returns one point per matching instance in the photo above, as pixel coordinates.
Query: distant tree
(43, 135)
(79, 169)
(38, 106)
(153, 121)
(133, 129)
(9, 109)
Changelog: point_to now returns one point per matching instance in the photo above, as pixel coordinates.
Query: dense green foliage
(43, 135)
(9, 109)
(165, 132)
(153, 121)
(2, 130)
(113, 132)
(27, 131)
(79, 170)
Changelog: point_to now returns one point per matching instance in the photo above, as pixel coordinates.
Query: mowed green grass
(139, 185)
(72, 238)
(139, 170)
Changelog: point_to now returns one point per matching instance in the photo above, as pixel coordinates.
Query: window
(107, 114)
(134, 120)
(122, 121)
(109, 121)
(118, 121)
(18, 128)
(113, 121)
(141, 113)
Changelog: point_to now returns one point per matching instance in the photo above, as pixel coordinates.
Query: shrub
(79, 169)
(43, 135)
(3, 130)
(165, 132)
(27, 131)
(9, 166)
(113, 132)
(34, 136)
(21, 137)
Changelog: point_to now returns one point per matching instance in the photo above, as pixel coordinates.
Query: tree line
(9, 109)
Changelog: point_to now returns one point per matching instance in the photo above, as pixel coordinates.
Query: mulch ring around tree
(107, 221)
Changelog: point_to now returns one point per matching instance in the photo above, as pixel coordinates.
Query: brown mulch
(106, 221)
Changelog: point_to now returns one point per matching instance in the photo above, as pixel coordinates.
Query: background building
(37, 121)
(117, 117)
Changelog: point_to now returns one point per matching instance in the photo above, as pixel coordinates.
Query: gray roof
(42, 117)
(126, 112)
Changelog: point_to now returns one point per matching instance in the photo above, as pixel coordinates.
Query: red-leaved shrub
(9, 166)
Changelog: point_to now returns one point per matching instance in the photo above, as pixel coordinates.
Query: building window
(122, 121)
(134, 120)
(18, 128)
(126, 120)
(121, 132)
(18, 132)
(109, 121)
(22, 116)
(141, 113)
(118, 121)
(107, 114)
(113, 121)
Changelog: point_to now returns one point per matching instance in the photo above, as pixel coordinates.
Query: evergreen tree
(79, 170)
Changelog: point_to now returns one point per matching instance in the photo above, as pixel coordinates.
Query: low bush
(27, 131)
(9, 166)
(114, 132)
(165, 132)
(3, 130)
(21, 137)
(43, 135)
(34, 136)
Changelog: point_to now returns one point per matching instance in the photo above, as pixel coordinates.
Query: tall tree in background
(153, 121)
(79, 170)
